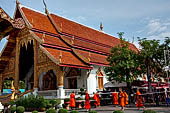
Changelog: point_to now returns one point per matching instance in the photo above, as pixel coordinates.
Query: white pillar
(35, 91)
(61, 94)
(91, 83)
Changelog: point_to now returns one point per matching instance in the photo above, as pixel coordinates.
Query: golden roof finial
(101, 27)
(72, 40)
(46, 11)
(17, 2)
(43, 36)
(89, 57)
(60, 56)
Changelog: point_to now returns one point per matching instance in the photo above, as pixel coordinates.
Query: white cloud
(156, 26)
(160, 36)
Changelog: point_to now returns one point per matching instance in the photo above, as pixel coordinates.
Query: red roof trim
(75, 46)
(91, 50)
(71, 36)
(45, 32)
(57, 47)
(75, 66)
(100, 64)
(83, 39)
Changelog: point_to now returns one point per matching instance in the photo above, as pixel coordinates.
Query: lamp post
(166, 57)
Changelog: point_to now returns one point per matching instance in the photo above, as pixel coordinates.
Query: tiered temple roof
(70, 43)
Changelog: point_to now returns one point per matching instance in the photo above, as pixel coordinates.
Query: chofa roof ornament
(46, 11)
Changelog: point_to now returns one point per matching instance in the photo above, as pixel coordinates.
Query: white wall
(92, 81)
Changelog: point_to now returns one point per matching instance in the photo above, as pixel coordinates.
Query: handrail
(5, 96)
(26, 92)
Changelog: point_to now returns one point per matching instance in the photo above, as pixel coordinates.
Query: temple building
(51, 54)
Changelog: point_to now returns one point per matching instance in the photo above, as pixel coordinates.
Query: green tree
(152, 58)
(123, 63)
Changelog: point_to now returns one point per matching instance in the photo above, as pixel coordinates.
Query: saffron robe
(72, 100)
(115, 98)
(122, 99)
(126, 98)
(98, 99)
(87, 101)
(95, 98)
(139, 99)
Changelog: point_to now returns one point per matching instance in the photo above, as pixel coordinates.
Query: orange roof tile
(79, 30)
(38, 20)
(78, 37)
(67, 58)
(93, 57)
(52, 40)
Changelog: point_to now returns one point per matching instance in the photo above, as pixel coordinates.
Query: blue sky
(136, 18)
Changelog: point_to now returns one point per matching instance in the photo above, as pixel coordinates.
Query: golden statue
(12, 90)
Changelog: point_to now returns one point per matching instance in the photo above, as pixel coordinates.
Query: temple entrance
(49, 81)
(72, 82)
(26, 64)
(72, 78)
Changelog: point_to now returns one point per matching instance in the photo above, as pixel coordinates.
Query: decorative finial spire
(46, 11)
(17, 2)
(60, 57)
(101, 27)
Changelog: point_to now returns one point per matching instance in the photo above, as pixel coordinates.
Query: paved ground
(132, 109)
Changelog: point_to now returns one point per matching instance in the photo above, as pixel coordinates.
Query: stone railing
(49, 94)
(69, 91)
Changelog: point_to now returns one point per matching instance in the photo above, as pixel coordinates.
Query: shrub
(51, 111)
(74, 111)
(55, 102)
(149, 111)
(49, 106)
(12, 103)
(36, 101)
(81, 89)
(62, 111)
(21, 84)
(92, 111)
(118, 111)
(58, 101)
(35, 111)
(13, 109)
(20, 109)
(66, 100)
(7, 84)
(64, 106)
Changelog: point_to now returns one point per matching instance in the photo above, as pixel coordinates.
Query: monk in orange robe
(126, 97)
(95, 98)
(98, 99)
(122, 100)
(115, 97)
(72, 100)
(139, 99)
(87, 101)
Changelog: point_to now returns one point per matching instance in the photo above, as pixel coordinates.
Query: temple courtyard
(131, 109)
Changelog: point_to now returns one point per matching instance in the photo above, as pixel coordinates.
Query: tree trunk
(148, 75)
(129, 91)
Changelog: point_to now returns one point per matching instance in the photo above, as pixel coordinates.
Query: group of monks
(124, 99)
(123, 96)
(87, 100)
